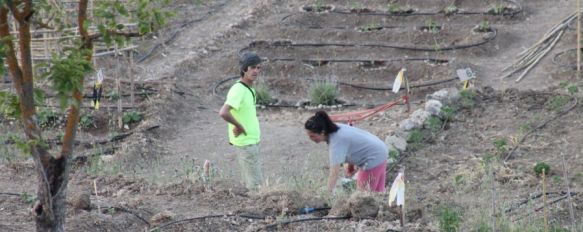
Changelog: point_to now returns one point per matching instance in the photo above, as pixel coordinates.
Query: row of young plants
(450, 216)
(399, 9)
(321, 92)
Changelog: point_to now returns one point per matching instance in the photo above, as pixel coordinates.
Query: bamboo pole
(546, 209)
(118, 87)
(131, 76)
(567, 185)
(578, 39)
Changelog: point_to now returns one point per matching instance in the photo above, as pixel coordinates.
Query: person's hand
(350, 170)
(237, 130)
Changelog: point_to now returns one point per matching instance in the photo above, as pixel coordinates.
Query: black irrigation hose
(493, 33)
(175, 34)
(158, 228)
(431, 60)
(11, 194)
(558, 63)
(275, 225)
(127, 211)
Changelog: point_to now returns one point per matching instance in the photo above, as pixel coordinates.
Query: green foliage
(449, 220)
(323, 92)
(87, 121)
(27, 198)
(131, 117)
(572, 89)
(415, 137)
(150, 15)
(540, 166)
(371, 27)
(46, 118)
(398, 9)
(458, 180)
(263, 95)
(467, 98)
(484, 26)
(434, 124)
(67, 73)
(450, 9)
(557, 102)
(500, 144)
(483, 227)
(112, 95)
(393, 154)
(3, 42)
(496, 9)
(432, 26)
(9, 105)
(448, 113)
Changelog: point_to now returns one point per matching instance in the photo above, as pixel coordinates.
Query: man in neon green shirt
(243, 128)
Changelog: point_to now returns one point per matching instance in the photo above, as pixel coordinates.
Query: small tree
(66, 71)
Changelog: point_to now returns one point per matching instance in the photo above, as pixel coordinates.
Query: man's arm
(225, 113)
(333, 177)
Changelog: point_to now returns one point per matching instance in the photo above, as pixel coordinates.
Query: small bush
(448, 113)
(433, 123)
(450, 9)
(323, 92)
(87, 121)
(449, 220)
(131, 117)
(46, 118)
(415, 136)
(497, 9)
(557, 102)
(112, 95)
(572, 89)
(393, 155)
(467, 98)
(263, 95)
(500, 145)
(540, 166)
(484, 26)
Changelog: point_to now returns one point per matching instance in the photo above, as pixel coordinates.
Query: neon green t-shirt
(242, 102)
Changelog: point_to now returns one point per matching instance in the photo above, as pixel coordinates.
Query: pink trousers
(372, 179)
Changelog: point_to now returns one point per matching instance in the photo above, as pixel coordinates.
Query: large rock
(445, 96)
(408, 124)
(80, 200)
(396, 142)
(433, 107)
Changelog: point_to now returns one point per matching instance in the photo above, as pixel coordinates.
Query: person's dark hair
(248, 59)
(321, 122)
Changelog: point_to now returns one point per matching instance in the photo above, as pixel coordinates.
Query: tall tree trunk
(52, 173)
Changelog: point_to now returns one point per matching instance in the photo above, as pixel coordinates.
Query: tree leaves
(66, 74)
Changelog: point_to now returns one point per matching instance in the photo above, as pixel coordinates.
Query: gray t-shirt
(356, 146)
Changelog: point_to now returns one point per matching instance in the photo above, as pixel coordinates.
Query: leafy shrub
(131, 117)
(449, 220)
(323, 92)
(87, 121)
(572, 89)
(500, 145)
(415, 136)
(433, 123)
(9, 105)
(540, 166)
(46, 118)
(557, 102)
(263, 95)
(448, 113)
(450, 9)
(112, 95)
(484, 26)
(467, 98)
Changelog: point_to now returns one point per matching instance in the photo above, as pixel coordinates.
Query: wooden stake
(96, 196)
(546, 221)
(567, 185)
(578, 39)
(118, 86)
(130, 74)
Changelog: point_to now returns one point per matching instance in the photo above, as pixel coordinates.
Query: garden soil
(151, 175)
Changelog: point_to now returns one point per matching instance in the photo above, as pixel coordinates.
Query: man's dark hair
(248, 59)
(321, 122)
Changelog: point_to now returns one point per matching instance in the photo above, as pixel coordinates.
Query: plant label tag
(465, 74)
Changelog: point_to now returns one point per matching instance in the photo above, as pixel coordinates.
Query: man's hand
(238, 130)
